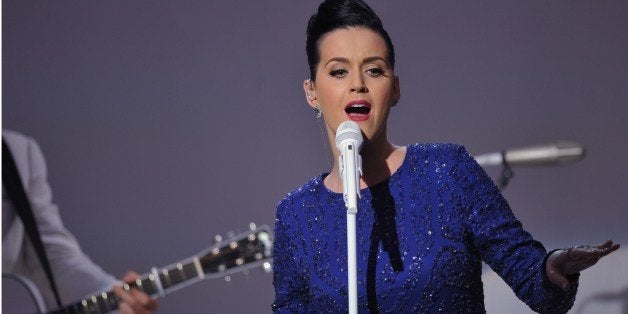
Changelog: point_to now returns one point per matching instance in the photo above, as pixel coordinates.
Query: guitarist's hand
(135, 301)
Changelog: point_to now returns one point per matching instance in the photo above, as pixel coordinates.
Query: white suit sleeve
(75, 273)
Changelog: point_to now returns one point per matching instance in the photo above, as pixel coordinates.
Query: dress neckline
(366, 190)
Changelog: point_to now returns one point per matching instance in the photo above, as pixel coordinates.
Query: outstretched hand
(134, 301)
(574, 260)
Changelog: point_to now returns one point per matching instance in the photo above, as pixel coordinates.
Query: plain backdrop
(166, 122)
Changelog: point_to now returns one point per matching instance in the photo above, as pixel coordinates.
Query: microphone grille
(349, 130)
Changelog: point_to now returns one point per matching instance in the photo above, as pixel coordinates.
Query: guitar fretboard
(249, 250)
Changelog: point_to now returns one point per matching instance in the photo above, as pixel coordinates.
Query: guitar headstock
(239, 252)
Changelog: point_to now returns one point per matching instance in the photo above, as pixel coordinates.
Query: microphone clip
(506, 173)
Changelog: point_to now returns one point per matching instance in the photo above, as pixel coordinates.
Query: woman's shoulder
(438, 150)
(438, 157)
(311, 186)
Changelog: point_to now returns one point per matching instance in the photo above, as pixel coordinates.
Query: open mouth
(358, 108)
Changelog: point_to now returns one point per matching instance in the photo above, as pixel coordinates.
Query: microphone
(549, 154)
(349, 141)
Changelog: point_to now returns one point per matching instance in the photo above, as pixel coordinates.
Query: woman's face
(354, 81)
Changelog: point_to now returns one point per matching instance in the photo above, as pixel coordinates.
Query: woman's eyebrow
(337, 59)
(366, 60)
(375, 58)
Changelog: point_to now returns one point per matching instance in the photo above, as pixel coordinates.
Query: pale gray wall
(165, 122)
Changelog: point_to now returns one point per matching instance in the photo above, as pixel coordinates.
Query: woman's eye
(338, 73)
(375, 72)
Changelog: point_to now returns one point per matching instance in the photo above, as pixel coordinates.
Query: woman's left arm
(502, 243)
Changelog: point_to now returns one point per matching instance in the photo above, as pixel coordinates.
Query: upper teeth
(358, 105)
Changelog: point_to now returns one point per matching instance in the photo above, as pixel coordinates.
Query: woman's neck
(379, 162)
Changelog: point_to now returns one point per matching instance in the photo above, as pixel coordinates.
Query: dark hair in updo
(335, 14)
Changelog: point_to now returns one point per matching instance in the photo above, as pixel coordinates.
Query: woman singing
(428, 214)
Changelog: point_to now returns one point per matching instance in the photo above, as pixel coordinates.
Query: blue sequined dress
(421, 237)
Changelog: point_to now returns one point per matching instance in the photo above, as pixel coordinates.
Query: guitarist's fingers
(124, 308)
(126, 300)
(143, 303)
(130, 276)
(134, 301)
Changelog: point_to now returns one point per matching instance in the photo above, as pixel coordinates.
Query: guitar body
(20, 295)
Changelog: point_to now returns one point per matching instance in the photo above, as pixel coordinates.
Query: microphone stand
(351, 193)
(506, 173)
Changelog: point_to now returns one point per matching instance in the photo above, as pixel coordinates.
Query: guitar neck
(246, 251)
(156, 284)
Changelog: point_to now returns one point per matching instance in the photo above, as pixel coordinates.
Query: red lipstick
(358, 110)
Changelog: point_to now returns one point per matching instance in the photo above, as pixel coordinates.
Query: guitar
(240, 253)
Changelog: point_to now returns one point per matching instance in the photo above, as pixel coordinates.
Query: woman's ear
(397, 91)
(310, 93)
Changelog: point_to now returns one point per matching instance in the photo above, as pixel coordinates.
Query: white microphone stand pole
(351, 192)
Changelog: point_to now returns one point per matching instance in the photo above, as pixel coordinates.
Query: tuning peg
(267, 267)
(217, 238)
(227, 278)
(252, 226)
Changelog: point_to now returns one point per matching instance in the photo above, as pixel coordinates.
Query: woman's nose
(358, 85)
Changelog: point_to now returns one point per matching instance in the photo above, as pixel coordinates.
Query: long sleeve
(75, 274)
(505, 246)
(290, 277)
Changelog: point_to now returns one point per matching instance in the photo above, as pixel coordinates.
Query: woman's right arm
(289, 274)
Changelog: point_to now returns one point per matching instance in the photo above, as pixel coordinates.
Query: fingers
(582, 257)
(580, 253)
(555, 269)
(606, 244)
(124, 308)
(142, 302)
(130, 276)
(558, 279)
(125, 300)
(574, 260)
(133, 301)
(589, 252)
(608, 247)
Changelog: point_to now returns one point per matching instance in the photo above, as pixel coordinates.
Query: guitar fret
(176, 275)
(199, 269)
(97, 306)
(101, 301)
(147, 286)
(192, 269)
(164, 277)
(154, 277)
(85, 306)
(112, 301)
(90, 305)
(105, 302)
(226, 261)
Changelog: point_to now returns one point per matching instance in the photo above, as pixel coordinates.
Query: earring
(318, 111)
